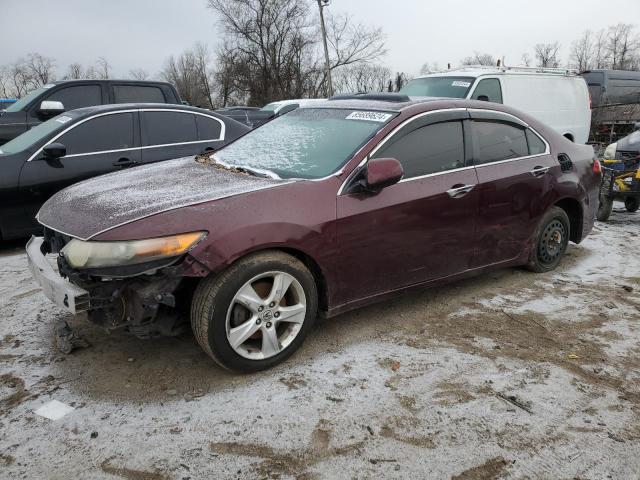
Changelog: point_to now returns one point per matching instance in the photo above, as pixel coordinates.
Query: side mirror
(483, 98)
(54, 151)
(50, 108)
(382, 173)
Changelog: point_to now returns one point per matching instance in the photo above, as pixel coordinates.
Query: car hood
(94, 206)
(630, 143)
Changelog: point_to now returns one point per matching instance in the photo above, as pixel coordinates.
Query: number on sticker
(370, 116)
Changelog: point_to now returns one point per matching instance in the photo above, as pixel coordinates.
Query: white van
(556, 97)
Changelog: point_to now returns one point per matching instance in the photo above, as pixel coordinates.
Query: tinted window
(137, 94)
(452, 87)
(169, 127)
(109, 132)
(499, 141)
(536, 145)
(430, 149)
(489, 89)
(208, 128)
(78, 96)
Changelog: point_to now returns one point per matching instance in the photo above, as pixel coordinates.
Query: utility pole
(321, 5)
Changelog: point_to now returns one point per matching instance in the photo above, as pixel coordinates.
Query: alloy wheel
(265, 315)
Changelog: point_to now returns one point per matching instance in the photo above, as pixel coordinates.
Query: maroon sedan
(325, 209)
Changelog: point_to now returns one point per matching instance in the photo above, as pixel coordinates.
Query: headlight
(610, 151)
(81, 254)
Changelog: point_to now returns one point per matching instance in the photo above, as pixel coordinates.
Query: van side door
(512, 162)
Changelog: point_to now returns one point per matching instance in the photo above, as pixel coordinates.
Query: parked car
(556, 97)
(55, 98)
(325, 209)
(92, 141)
(257, 117)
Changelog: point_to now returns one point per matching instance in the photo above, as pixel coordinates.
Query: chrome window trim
(395, 130)
(435, 174)
(221, 137)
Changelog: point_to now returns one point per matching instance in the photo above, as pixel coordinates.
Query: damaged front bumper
(60, 291)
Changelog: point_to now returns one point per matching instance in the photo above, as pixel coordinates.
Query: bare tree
(74, 71)
(526, 59)
(103, 68)
(479, 59)
(362, 77)
(201, 64)
(41, 69)
(273, 49)
(138, 74)
(623, 46)
(547, 54)
(19, 79)
(4, 83)
(600, 54)
(582, 51)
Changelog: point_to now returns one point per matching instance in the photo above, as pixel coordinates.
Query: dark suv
(55, 98)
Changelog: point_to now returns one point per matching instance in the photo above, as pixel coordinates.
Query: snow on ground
(507, 375)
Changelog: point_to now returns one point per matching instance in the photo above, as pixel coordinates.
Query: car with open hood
(91, 141)
(330, 207)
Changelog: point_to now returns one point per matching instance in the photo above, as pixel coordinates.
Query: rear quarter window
(208, 128)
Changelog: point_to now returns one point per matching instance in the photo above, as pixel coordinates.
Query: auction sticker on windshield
(458, 83)
(370, 116)
(63, 119)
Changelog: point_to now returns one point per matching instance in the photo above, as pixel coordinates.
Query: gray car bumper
(61, 292)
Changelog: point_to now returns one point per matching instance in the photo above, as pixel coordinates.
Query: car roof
(393, 103)
(478, 71)
(85, 111)
(109, 80)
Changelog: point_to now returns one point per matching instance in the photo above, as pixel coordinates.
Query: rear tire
(551, 240)
(245, 322)
(605, 208)
(632, 204)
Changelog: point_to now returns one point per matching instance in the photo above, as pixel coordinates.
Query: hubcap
(552, 242)
(266, 315)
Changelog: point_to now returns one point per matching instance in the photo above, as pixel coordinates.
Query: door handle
(458, 191)
(539, 171)
(124, 162)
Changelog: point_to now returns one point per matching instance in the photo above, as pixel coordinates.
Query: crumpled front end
(148, 299)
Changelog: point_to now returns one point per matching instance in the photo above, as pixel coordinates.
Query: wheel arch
(573, 209)
(569, 136)
(308, 260)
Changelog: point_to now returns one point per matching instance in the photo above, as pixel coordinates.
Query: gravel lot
(508, 375)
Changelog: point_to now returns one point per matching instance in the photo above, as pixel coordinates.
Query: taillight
(597, 168)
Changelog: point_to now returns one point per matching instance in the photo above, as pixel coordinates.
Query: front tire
(257, 313)
(632, 204)
(551, 240)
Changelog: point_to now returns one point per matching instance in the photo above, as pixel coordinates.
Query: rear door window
(488, 90)
(429, 149)
(108, 132)
(208, 128)
(164, 128)
(496, 141)
(137, 94)
(77, 96)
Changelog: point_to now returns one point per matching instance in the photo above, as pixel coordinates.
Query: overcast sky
(142, 33)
